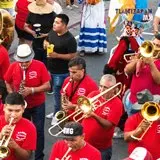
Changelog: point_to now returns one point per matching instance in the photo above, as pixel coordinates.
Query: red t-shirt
(144, 81)
(150, 141)
(4, 61)
(95, 134)
(22, 13)
(24, 135)
(88, 152)
(86, 86)
(36, 75)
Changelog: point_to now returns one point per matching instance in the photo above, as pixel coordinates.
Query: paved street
(95, 65)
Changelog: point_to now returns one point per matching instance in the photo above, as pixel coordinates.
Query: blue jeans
(40, 54)
(37, 115)
(58, 80)
(106, 154)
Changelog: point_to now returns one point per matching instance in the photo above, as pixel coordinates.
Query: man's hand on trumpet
(12, 144)
(6, 130)
(149, 60)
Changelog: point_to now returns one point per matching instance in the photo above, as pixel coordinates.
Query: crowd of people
(46, 60)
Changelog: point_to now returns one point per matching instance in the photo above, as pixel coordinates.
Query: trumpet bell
(150, 111)
(4, 152)
(147, 49)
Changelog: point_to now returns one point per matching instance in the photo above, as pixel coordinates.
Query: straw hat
(24, 53)
(40, 7)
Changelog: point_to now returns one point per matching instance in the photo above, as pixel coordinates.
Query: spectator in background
(39, 22)
(56, 6)
(8, 5)
(65, 48)
(21, 8)
(92, 36)
(70, 4)
(156, 21)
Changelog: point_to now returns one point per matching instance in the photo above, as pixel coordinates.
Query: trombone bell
(84, 104)
(150, 111)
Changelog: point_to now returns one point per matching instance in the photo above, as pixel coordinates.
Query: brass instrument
(6, 28)
(22, 84)
(65, 157)
(147, 49)
(4, 150)
(86, 105)
(128, 57)
(150, 112)
(62, 114)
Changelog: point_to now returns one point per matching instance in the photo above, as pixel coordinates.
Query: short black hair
(3, 90)
(77, 61)
(157, 36)
(64, 18)
(14, 99)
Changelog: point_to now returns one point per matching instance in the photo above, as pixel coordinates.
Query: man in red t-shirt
(140, 153)
(30, 78)
(146, 75)
(23, 137)
(100, 123)
(143, 132)
(74, 146)
(77, 84)
(4, 61)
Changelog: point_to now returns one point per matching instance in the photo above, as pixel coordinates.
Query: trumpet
(150, 112)
(86, 105)
(4, 150)
(65, 157)
(147, 49)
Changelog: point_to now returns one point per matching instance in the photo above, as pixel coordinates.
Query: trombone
(147, 49)
(150, 112)
(4, 150)
(86, 105)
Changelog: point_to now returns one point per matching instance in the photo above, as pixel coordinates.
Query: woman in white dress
(92, 37)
